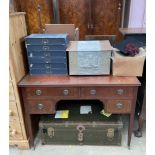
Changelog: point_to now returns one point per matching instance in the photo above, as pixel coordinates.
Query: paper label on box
(62, 114)
(85, 109)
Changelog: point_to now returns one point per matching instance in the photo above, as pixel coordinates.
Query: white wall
(137, 14)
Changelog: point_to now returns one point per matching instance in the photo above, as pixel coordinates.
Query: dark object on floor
(81, 129)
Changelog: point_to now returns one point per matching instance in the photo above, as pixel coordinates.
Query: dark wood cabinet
(106, 16)
(90, 16)
(38, 13)
(74, 12)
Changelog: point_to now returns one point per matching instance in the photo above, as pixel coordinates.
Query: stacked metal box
(89, 57)
(47, 53)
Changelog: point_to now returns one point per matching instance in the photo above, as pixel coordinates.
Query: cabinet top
(50, 80)
(16, 13)
(125, 31)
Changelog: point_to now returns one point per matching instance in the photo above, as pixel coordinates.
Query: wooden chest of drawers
(17, 132)
(42, 93)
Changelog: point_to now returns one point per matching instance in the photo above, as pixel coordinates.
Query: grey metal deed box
(89, 57)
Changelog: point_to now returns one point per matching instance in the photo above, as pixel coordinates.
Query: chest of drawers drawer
(107, 92)
(118, 106)
(13, 113)
(15, 131)
(63, 92)
(41, 106)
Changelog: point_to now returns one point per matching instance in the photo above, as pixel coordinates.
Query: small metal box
(47, 39)
(89, 57)
(47, 53)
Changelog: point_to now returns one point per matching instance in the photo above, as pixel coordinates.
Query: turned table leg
(28, 121)
(138, 133)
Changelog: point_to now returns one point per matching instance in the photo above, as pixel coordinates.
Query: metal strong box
(47, 53)
(89, 57)
(85, 125)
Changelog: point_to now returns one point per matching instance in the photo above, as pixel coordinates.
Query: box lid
(89, 46)
(48, 36)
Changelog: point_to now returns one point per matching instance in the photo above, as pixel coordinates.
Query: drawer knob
(38, 92)
(14, 132)
(119, 105)
(120, 91)
(66, 92)
(10, 113)
(93, 92)
(40, 106)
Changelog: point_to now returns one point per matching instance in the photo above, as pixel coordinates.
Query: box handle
(80, 136)
(50, 132)
(80, 128)
(47, 54)
(45, 48)
(45, 41)
(110, 134)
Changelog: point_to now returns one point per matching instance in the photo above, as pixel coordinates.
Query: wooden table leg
(142, 118)
(132, 114)
(28, 121)
(31, 136)
(131, 124)
(138, 133)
